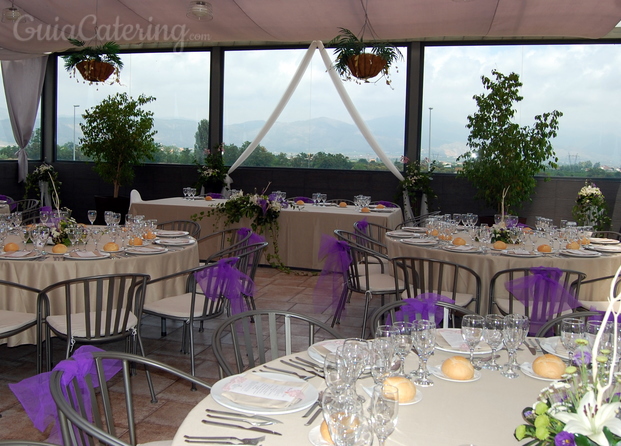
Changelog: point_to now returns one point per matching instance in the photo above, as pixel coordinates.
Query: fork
(253, 423)
(289, 372)
(222, 440)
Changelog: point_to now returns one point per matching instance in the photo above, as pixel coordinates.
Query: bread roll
(325, 432)
(380, 206)
(136, 241)
(459, 241)
(342, 204)
(59, 249)
(573, 245)
(549, 366)
(111, 246)
(365, 210)
(500, 245)
(300, 203)
(544, 248)
(11, 247)
(208, 198)
(407, 389)
(458, 367)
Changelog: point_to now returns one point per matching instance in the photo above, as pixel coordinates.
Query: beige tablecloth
(482, 413)
(300, 231)
(41, 273)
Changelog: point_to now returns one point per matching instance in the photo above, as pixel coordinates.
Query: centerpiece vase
(46, 198)
(212, 185)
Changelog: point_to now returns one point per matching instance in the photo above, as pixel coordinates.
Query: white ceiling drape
(23, 82)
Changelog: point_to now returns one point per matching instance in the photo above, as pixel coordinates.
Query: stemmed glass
(384, 411)
(424, 334)
(96, 234)
(345, 418)
(382, 353)
(593, 327)
(572, 329)
(108, 217)
(403, 343)
(74, 235)
(92, 216)
(492, 335)
(472, 332)
(356, 354)
(39, 236)
(336, 377)
(513, 335)
(44, 217)
(485, 237)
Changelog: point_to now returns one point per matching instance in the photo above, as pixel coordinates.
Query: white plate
(466, 249)
(521, 253)
(316, 355)
(419, 242)
(12, 256)
(550, 344)
(579, 253)
(401, 234)
(385, 210)
(443, 345)
(143, 251)
(168, 233)
(315, 438)
(310, 396)
(527, 369)
(604, 241)
(415, 229)
(114, 252)
(102, 255)
(417, 398)
(612, 249)
(176, 241)
(436, 371)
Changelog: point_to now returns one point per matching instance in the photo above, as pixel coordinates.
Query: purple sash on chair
(423, 307)
(363, 226)
(35, 396)
(332, 281)
(543, 294)
(254, 237)
(227, 281)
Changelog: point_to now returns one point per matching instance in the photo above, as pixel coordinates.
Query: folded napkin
(20, 254)
(606, 248)
(399, 234)
(452, 338)
(519, 251)
(325, 347)
(252, 389)
(86, 254)
(415, 229)
(578, 252)
(560, 349)
(419, 241)
(460, 247)
(169, 232)
(147, 249)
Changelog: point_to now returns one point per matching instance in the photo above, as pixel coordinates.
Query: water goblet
(336, 377)
(74, 235)
(344, 416)
(381, 358)
(593, 328)
(492, 335)
(16, 219)
(108, 217)
(39, 236)
(44, 217)
(572, 329)
(403, 343)
(186, 193)
(356, 354)
(96, 234)
(384, 411)
(92, 216)
(513, 335)
(323, 198)
(472, 332)
(424, 334)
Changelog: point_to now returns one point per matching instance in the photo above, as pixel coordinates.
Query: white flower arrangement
(591, 208)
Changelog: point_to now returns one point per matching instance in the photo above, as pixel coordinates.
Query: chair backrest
(362, 241)
(249, 257)
(417, 221)
(225, 239)
(422, 275)
(29, 209)
(13, 322)
(362, 260)
(249, 339)
(607, 234)
(552, 327)
(85, 422)
(341, 200)
(24, 443)
(452, 314)
(374, 231)
(192, 227)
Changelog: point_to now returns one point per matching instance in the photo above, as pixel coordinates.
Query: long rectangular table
(300, 232)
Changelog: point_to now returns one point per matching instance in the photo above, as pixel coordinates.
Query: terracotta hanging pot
(94, 71)
(365, 66)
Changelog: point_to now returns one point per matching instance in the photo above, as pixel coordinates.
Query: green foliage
(502, 154)
(591, 208)
(201, 146)
(108, 52)
(417, 182)
(118, 135)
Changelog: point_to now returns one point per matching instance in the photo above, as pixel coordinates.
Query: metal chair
(452, 313)
(374, 231)
(85, 422)
(13, 322)
(417, 221)
(340, 200)
(29, 209)
(97, 309)
(24, 443)
(552, 327)
(192, 227)
(225, 239)
(249, 339)
(588, 287)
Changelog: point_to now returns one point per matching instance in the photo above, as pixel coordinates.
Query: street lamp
(429, 160)
(74, 107)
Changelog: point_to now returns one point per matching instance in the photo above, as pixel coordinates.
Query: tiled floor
(275, 290)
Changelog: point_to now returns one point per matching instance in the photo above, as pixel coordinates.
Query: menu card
(325, 347)
(86, 254)
(19, 254)
(252, 389)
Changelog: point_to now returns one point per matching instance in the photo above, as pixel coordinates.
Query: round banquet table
(486, 265)
(44, 271)
(482, 413)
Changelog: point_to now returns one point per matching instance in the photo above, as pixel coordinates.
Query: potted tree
(362, 60)
(504, 158)
(118, 135)
(95, 63)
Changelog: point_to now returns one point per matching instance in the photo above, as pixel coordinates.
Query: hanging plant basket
(95, 71)
(365, 66)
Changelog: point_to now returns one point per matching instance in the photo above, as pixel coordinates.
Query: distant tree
(231, 153)
(331, 161)
(201, 138)
(33, 149)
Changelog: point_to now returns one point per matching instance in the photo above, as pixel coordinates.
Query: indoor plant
(211, 174)
(362, 60)
(417, 183)
(95, 63)
(501, 152)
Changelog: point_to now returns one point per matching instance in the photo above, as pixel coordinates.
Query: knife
(310, 363)
(532, 349)
(236, 426)
(305, 369)
(243, 415)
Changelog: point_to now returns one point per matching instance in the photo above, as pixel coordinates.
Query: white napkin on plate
(85, 254)
(20, 254)
(252, 389)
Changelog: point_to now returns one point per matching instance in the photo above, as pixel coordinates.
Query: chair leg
(367, 299)
(192, 364)
(163, 326)
(340, 306)
(146, 369)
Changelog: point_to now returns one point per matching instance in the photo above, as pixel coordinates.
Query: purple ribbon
(34, 393)
(254, 237)
(304, 199)
(333, 279)
(224, 280)
(214, 195)
(543, 294)
(423, 307)
(363, 226)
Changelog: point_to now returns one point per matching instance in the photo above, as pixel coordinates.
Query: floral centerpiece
(42, 182)
(591, 208)
(61, 221)
(212, 173)
(417, 182)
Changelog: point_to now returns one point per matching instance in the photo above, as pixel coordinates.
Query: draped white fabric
(23, 82)
(338, 84)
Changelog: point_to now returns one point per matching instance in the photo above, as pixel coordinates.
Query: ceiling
(136, 24)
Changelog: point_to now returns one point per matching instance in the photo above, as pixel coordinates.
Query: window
(178, 80)
(578, 80)
(315, 129)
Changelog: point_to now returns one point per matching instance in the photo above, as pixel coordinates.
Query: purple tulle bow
(423, 307)
(254, 238)
(35, 396)
(45, 209)
(224, 280)
(543, 294)
(333, 279)
(363, 226)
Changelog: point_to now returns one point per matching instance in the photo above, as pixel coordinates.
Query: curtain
(23, 82)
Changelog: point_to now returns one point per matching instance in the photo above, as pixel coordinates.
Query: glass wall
(314, 130)
(178, 80)
(580, 80)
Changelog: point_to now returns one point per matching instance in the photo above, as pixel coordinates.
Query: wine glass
(472, 332)
(572, 329)
(492, 335)
(108, 217)
(336, 378)
(74, 235)
(424, 334)
(593, 327)
(384, 411)
(356, 354)
(513, 335)
(39, 236)
(343, 414)
(382, 352)
(96, 234)
(403, 343)
(44, 217)
(92, 216)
